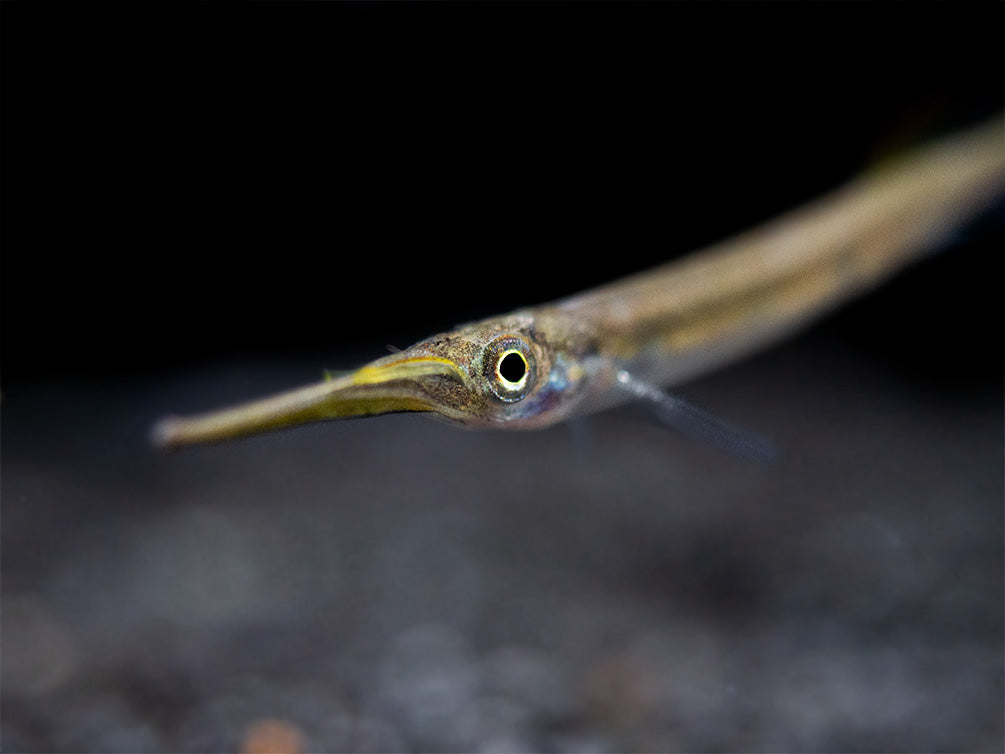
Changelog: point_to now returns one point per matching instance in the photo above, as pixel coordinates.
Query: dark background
(203, 203)
(191, 182)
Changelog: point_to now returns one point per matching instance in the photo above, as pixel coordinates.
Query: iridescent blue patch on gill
(551, 394)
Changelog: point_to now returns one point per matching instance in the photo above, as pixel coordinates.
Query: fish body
(629, 339)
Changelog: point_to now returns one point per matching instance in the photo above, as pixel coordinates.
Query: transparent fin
(698, 424)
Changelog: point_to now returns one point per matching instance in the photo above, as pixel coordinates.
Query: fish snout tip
(164, 434)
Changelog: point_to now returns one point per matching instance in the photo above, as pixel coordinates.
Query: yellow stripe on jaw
(358, 394)
(407, 369)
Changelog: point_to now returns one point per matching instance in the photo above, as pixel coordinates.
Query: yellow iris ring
(505, 381)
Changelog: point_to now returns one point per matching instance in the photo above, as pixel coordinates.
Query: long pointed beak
(392, 384)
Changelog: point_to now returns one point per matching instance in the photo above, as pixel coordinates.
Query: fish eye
(512, 368)
(509, 368)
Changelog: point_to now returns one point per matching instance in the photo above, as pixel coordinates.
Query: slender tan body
(625, 340)
(691, 315)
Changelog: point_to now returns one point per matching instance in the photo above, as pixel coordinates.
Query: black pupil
(512, 367)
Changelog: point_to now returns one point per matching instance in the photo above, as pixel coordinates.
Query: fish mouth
(398, 383)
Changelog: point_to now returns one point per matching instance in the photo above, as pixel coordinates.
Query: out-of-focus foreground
(397, 584)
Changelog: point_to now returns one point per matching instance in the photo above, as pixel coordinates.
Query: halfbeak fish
(630, 339)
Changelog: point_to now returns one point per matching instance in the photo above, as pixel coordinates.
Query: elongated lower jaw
(386, 386)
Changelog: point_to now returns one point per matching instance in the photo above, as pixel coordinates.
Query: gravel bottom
(398, 585)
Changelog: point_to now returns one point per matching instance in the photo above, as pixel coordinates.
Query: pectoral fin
(697, 423)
